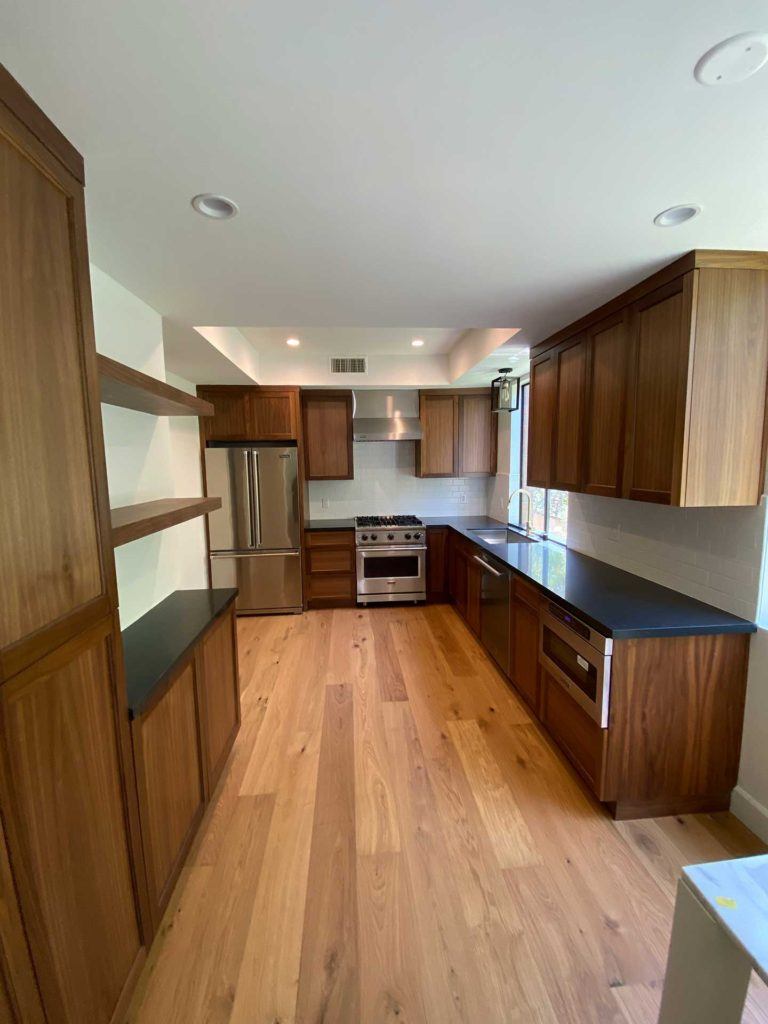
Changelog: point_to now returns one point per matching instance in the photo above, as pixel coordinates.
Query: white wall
(385, 484)
(147, 457)
(711, 554)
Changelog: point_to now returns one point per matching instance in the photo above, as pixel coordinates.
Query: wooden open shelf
(130, 522)
(130, 389)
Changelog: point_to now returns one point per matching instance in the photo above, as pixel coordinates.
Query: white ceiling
(482, 162)
(342, 341)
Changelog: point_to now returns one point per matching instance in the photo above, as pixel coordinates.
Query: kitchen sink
(503, 536)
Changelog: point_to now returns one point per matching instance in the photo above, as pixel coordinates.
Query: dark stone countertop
(154, 644)
(617, 603)
(329, 524)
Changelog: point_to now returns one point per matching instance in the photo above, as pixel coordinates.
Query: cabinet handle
(485, 565)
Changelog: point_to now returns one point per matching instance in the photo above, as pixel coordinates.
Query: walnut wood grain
(130, 389)
(608, 344)
(436, 452)
(541, 419)
(568, 425)
(130, 522)
(330, 578)
(220, 694)
(327, 420)
(437, 563)
(478, 428)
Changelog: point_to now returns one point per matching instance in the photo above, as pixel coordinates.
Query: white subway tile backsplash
(712, 554)
(385, 483)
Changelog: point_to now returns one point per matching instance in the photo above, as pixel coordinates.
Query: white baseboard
(751, 812)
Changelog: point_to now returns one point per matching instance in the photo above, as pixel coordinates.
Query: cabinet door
(661, 341)
(607, 344)
(541, 418)
(474, 587)
(525, 652)
(568, 425)
(169, 773)
(436, 454)
(273, 415)
(437, 583)
(230, 418)
(220, 695)
(477, 436)
(458, 577)
(328, 435)
(64, 808)
(55, 548)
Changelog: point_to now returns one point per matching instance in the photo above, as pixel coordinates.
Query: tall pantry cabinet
(71, 937)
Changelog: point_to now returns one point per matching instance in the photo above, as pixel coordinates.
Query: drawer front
(331, 588)
(320, 560)
(330, 538)
(526, 592)
(580, 737)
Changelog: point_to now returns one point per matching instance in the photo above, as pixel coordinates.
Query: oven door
(398, 570)
(581, 669)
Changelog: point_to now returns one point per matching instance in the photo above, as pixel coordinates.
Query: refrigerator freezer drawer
(267, 581)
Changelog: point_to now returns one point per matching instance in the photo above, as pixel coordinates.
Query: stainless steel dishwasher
(495, 597)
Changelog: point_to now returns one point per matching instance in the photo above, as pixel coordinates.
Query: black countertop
(154, 644)
(613, 601)
(329, 524)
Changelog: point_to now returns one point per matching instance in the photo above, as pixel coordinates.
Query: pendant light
(505, 391)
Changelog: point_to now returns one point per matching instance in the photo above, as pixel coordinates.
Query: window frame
(525, 390)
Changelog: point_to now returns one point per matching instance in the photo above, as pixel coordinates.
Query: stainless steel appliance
(391, 559)
(255, 535)
(579, 658)
(495, 598)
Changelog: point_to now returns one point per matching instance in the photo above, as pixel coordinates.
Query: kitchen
(362, 674)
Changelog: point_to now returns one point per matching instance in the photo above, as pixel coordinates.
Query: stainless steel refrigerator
(255, 535)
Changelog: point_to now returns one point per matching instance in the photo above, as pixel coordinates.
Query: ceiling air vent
(349, 364)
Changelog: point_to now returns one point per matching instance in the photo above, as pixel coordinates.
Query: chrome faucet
(522, 490)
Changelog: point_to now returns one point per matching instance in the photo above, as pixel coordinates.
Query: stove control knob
(407, 536)
(364, 537)
(417, 536)
(390, 536)
(374, 536)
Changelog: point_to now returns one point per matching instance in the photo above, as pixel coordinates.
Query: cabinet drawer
(331, 589)
(320, 560)
(581, 739)
(330, 538)
(525, 592)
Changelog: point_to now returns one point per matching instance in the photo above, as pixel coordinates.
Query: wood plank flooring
(395, 840)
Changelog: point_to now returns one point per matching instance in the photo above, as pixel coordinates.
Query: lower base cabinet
(524, 633)
(330, 579)
(580, 738)
(182, 732)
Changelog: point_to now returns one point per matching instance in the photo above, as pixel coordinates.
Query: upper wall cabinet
(245, 413)
(660, 395)
(458, 433)
(327, 417)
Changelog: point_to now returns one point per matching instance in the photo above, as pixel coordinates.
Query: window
(549, 509)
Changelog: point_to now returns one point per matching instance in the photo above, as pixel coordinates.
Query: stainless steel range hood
(386, 416)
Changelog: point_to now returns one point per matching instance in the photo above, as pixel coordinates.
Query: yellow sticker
(725, 901)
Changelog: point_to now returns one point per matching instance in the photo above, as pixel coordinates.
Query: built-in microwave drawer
(582, 669)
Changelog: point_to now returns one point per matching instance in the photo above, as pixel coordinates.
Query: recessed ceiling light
(676, 215)
(733, 59)
(217, 207)
(417, 342)
(293, 342)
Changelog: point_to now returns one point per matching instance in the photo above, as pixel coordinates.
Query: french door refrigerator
(255, 536)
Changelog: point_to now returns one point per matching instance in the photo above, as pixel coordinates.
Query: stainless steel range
(391, 559)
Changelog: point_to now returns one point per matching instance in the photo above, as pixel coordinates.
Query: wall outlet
(325, 503)
(463, 498)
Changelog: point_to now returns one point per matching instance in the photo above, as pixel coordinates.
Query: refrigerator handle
(255, 500)
(249, 498)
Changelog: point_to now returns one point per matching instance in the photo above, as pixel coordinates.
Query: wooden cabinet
(568, 425)
(436, 452)
(170, 781)
(64, 809)
(251, 413)
(474, 587)
(541, 418)
(673, 406)
(578, 736)
(478, 431)
(459, 433)
(67, 808)
(327, 419)
(330, 579)
(457, 572)
(437, 563)
(524, 633)
(220, 694)
(607, 361)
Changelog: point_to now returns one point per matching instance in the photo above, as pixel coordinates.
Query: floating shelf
(130, 389)
(134, 521)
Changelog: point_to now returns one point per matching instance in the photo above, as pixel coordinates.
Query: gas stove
(391, 559)
(375, 531)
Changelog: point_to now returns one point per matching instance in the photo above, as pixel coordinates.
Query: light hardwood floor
(395, 840)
